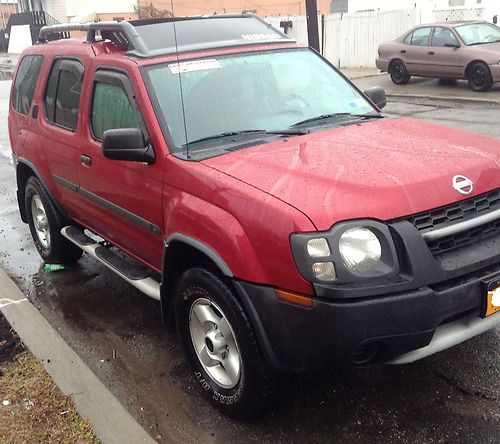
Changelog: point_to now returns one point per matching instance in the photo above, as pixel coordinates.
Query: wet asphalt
(450, 397)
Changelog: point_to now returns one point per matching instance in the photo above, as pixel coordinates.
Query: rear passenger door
(56, 129)
(415, 52)
(123, 198)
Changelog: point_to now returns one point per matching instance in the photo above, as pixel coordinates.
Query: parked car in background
(461, 50)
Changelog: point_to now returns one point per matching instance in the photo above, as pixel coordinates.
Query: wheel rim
(398, 72)
(40, 221)
(215, 343)
(478, 78)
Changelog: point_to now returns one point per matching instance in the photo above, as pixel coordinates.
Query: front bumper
(363, 332)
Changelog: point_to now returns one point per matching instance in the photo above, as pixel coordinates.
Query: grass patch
(37, 411)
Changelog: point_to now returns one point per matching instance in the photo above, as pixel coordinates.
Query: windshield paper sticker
(194, 65)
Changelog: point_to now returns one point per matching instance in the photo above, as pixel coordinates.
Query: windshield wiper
(243, 133)
(319, 119)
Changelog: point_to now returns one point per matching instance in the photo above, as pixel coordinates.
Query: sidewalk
(111, 422)
(421, 88)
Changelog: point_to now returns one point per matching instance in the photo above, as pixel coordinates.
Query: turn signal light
(301, 300)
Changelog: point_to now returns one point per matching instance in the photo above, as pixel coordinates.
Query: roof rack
(154, 37)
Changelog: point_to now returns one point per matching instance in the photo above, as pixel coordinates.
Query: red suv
(282, 222)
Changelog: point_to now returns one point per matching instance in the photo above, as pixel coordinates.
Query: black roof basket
(154, 37)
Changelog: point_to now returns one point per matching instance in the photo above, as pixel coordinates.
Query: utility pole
(312, 24)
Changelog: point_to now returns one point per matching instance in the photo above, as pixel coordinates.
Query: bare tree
(151, 12)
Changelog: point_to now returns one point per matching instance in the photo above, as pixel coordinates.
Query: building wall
(6, 10)
(261, 7)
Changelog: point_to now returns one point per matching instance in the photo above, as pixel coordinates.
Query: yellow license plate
(492, 298)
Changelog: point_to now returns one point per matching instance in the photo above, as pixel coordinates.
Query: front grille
(463, 211)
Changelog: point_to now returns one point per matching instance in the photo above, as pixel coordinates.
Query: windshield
(268, 91)
(479, 33)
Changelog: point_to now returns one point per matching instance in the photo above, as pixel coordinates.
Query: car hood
(381, 169)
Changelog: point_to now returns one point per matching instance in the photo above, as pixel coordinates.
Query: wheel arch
(395, 59)
(180, 253)
(24, 170)
(470, 64)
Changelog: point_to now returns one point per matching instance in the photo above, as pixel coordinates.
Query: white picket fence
(351, 40)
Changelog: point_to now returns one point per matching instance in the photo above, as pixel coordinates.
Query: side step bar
(449, 335)
(133, 275)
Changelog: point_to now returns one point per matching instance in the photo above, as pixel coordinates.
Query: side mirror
(127, 144)
(377, 95)
(452, 45)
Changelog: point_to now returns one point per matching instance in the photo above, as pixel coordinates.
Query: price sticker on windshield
(194, 65)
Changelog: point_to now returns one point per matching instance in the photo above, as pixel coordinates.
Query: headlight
(350, 252)
(360, 249)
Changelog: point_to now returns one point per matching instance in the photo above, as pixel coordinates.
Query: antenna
(180, 80)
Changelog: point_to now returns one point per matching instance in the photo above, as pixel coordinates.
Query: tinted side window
(62, 94)
(26, 80)
(111, 109)
(443, 37)
(420, 37)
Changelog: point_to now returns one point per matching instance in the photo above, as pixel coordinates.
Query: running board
(449, 335)
(133, 275)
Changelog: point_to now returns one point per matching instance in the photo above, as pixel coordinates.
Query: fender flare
(167, 286)
(20, 193)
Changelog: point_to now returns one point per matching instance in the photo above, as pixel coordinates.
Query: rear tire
(45, 222)
(399, 73)
(479, 77)
(220, 345)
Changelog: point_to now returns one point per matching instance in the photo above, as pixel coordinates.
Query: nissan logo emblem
(463, 184)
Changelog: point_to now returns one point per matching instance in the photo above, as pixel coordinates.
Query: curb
(110, 421)
(449, 98)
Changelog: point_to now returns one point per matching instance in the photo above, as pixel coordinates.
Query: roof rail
(153, 37)
(123, 33)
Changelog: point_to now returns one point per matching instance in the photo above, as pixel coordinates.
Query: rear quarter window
(25, 83)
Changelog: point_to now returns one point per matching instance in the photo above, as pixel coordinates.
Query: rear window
(62, 94)
(26, 80)
(419, 37)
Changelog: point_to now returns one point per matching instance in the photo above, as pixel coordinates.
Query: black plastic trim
(138, 220)
(42, 181)
(295, 338)
(204, 248)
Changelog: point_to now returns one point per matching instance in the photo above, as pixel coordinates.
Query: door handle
(431, 52)
(86, 160)
(403, 51)
(34, 111)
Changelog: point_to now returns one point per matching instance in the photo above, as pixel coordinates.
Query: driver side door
(123, 198)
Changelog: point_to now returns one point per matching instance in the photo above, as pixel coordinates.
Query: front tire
(45, 222)
(479, 77)
(398, 72)
(221, 346)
